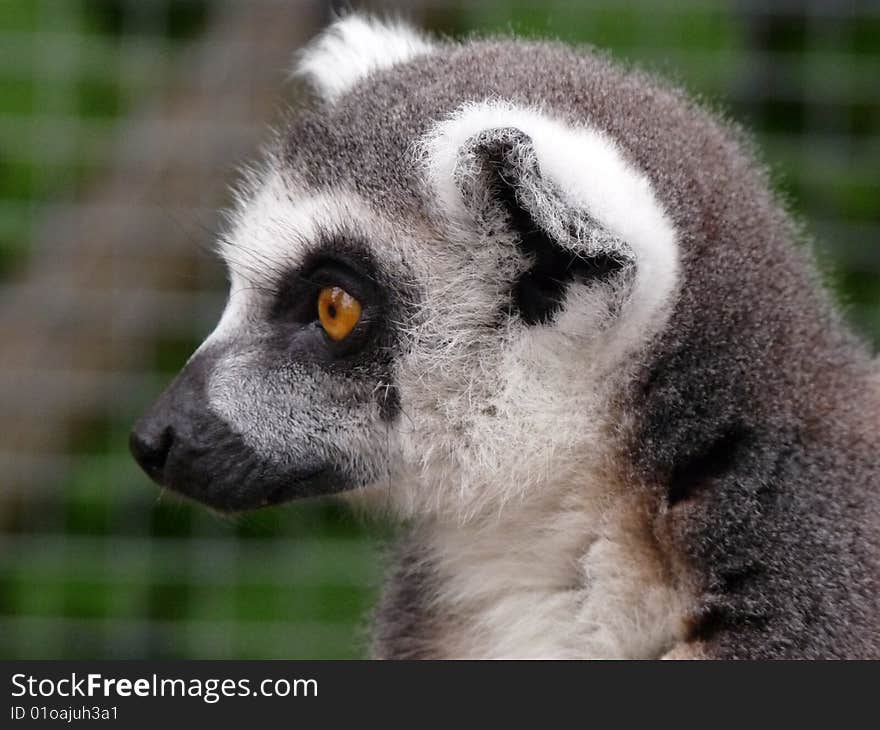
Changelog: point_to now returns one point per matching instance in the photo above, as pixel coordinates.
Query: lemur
(547, 312)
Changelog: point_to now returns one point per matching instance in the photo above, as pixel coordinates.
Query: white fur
(263, 239)
(269, 230)
(580, 580)
(354, 47)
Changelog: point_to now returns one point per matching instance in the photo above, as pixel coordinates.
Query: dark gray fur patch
(405, 623)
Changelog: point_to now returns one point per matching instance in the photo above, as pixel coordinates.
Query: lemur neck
(578, 577)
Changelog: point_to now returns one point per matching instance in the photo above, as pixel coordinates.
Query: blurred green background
(121, 125)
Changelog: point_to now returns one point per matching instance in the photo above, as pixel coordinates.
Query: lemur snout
(183, 444)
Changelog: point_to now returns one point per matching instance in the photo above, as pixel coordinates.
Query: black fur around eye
(295, 312)
(295, 299)
(298, 290)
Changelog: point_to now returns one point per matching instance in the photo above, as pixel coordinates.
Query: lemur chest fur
(580, 579)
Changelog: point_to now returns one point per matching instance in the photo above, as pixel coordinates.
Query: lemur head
(447, 275)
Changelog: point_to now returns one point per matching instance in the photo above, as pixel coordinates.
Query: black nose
(165, 431)
(150, 448)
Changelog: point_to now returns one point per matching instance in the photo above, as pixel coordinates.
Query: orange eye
(338, 312)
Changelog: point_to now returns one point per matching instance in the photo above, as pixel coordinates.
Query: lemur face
(433, 299)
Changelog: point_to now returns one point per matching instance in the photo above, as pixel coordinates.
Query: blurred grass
(173, 580)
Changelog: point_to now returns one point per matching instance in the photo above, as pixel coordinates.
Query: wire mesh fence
(121, 126)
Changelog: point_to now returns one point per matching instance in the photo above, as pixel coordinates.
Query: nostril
(151, 450)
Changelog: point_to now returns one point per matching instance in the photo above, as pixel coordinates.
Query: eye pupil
(331, 310)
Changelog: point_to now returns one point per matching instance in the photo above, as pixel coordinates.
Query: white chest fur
(582, 580)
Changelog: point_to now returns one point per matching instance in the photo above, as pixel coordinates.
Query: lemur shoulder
(547, 312)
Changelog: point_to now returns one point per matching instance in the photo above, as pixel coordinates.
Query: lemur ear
(500, 179)
(352, 48)
(579, 208)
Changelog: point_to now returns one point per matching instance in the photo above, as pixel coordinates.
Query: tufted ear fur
(579, 210)
(500, 177)
(352, 48)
